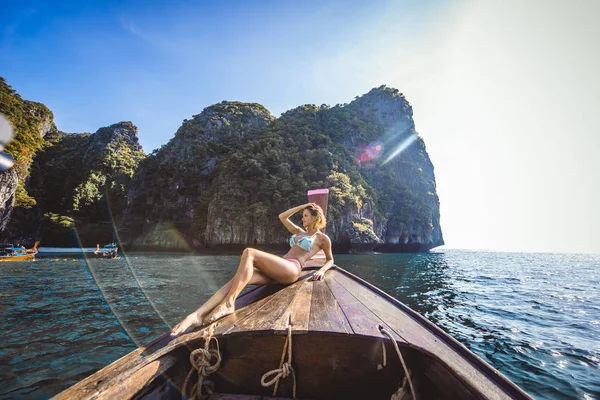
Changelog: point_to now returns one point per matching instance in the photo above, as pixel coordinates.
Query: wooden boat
(337, 329)
(338, 338)
(9, 252)
(108, 251)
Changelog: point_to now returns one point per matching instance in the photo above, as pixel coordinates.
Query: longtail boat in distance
(10, 252)
(337, 338)
(111, 250)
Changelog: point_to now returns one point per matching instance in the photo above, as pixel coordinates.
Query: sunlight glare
(401, 147)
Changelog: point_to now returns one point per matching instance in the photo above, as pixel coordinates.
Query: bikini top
(305, 242)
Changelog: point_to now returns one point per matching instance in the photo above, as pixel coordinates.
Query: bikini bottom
(295, 262)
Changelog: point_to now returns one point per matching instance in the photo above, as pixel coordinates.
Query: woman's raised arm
(284, 218)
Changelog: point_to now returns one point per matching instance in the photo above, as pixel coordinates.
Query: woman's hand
(317, 276)
(284, 218)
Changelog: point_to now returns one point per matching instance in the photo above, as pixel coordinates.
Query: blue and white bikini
(305, 243)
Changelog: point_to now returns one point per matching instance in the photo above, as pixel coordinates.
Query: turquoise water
(534, 317)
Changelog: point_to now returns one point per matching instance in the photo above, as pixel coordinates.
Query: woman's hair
(317, 212)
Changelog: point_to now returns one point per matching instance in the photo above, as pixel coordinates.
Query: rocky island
(223, 177)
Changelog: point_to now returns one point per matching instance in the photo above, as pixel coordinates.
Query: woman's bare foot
(220, 311)
(191, 321)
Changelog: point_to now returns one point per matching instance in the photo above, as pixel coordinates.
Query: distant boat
(10, 252)
(108, 251)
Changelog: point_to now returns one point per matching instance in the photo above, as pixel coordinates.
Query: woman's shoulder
(323, 236)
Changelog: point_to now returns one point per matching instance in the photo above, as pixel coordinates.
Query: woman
(260, 268)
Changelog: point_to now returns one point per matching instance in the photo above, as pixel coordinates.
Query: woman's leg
(270, 265)
(195, 318)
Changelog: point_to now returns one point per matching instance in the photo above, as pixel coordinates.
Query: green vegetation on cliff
(226, 174)
(30, 121)
(174, 182)
(82, 180)
(218, 185)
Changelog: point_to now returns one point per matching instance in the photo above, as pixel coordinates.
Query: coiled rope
(201, 363)
(285, 368)
(386, 333)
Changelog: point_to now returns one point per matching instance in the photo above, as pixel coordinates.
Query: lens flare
(401, 147)
(372, 152)
(6, 161)
(6, 135)
(6, 132)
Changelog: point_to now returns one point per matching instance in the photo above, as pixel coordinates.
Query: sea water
(534, 317)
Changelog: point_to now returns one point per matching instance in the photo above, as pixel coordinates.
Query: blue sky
(504, 93)
(157, 63)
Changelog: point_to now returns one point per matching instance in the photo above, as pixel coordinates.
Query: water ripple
(534, 317)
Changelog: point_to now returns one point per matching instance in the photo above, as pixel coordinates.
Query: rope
(386, 333)
(382, 366)
(284, 367)
(200, 360)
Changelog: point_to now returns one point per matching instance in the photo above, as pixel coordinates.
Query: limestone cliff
(174, 183)
(222, 180)
(224, 177)
(80, 181)
(8, 187)
(31, 121)
(400, 171)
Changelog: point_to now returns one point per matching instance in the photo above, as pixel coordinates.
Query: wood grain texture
(254, 302)
(262, 318)
(325, 312)
(362, 320)
(138, 379)
(298, 310)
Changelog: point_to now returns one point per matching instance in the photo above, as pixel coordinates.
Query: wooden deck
(340, 306)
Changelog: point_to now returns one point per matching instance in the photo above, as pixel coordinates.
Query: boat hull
(338, 350)
(103, 255)
(24, 257)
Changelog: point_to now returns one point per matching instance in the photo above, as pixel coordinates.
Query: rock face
(80, 181)
(228, 173)
(174, 183)
(224, 177)
(8, 187)
(410, 183)
(31, 121)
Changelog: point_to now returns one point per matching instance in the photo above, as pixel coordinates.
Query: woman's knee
(249, 252)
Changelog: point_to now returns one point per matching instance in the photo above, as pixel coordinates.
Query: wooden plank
(138, 380)
(256, 300)
(103, 379)
(131, 366)
(263, 318)
(402, 323)
(299, 310)
(362, 320)
(257, 294)
(421, 338)
(325, 312)
(246, 306)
